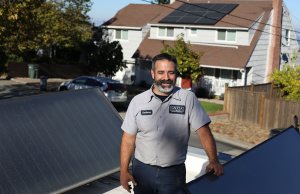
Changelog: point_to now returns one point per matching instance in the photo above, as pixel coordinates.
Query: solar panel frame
(55, 142)
(257, 170)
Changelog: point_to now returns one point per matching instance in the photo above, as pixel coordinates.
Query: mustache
(165, 81)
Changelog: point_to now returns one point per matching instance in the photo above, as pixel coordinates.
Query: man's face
(164, 76)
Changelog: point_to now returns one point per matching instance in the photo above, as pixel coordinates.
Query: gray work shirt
(162, 129)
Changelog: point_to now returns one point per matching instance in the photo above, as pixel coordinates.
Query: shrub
(221, 96)
(213, 96)
(202, 92)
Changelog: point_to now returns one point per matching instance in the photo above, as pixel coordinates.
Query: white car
(115, 91)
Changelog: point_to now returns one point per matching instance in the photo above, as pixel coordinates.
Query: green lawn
(211, 107)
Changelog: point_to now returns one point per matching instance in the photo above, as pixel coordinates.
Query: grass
(211, 107)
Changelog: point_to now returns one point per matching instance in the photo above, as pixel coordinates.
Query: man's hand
(125, 177)
(217, 167)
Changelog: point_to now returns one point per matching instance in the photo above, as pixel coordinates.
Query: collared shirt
(162, 129)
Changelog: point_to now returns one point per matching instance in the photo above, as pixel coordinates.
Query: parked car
(115, 91)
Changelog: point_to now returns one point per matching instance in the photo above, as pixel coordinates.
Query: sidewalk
(211, 100)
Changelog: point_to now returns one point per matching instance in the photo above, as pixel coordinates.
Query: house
(243, 41)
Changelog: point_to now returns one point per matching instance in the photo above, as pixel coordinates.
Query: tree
(160, 2)
(29, 25)
(108, 58)
(187, 59)
(288, 79)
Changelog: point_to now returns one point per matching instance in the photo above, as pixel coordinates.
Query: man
(158, 123)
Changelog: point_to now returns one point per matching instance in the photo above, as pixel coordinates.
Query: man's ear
(152, 73)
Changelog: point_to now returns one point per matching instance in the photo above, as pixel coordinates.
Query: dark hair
(164, 56)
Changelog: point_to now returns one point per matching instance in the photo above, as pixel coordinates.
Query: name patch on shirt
(146, 112)
(177, 109)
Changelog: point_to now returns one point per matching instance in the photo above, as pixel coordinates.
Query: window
(193, 31)
(92, 82)
(80, 81)
(287, 37)
(122, 34)
(166, 32)
(227, 35)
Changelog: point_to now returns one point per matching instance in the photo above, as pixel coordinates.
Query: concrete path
(212, 100)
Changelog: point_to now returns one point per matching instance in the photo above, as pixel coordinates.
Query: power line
(221, 21)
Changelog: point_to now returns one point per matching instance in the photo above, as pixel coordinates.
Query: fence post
(271, 92)
(263, 94)
(225, 98)
(252, 87)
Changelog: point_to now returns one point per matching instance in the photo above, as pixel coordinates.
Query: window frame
(166, 32)
(226, 36)
(121, 34)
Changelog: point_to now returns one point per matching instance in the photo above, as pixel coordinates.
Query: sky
(103, 10)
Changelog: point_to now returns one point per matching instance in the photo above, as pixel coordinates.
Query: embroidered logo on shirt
(177, 109)
(146, 112)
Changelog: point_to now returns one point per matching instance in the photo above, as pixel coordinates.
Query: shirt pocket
(147, 125)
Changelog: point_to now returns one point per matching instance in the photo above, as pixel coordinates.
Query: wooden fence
(255, 108)
(271, 91)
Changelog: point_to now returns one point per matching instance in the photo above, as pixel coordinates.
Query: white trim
(122, 27)
(162, 38)
(219, 67)
(205, 27)
(218, 45)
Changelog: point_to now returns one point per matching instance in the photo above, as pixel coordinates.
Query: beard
(164, 89)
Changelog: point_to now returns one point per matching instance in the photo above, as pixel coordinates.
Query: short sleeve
(129, 124)
(198, 117)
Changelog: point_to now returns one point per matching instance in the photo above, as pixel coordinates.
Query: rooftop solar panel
(212, 12)
(188, 20)
(52, 143)
(271, 167)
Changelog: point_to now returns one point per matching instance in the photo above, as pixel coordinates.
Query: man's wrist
(214, 161)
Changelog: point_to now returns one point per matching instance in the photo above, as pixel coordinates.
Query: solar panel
(271, 167)
(211, 13)
(52, 143)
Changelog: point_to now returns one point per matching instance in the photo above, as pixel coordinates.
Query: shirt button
(157, 143)
(160, 117)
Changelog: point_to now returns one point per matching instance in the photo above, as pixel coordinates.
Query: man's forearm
(127, 147)
(208, 143)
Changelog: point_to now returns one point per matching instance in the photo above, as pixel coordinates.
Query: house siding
(129, 46)
(203, 36)
(287, 24)
(258, 59)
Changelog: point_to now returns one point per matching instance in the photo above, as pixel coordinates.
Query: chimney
(172, 1)
(275, 42)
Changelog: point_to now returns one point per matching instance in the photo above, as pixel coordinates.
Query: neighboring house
(242, 47)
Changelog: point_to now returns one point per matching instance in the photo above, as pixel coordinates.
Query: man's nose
(165, 76)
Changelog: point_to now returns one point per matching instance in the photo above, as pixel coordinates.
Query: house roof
(135, 15)
(138, 15)
(213, 56)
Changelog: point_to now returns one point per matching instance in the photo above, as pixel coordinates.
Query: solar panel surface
(52, 143)
(212, 13)
(271, 167)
